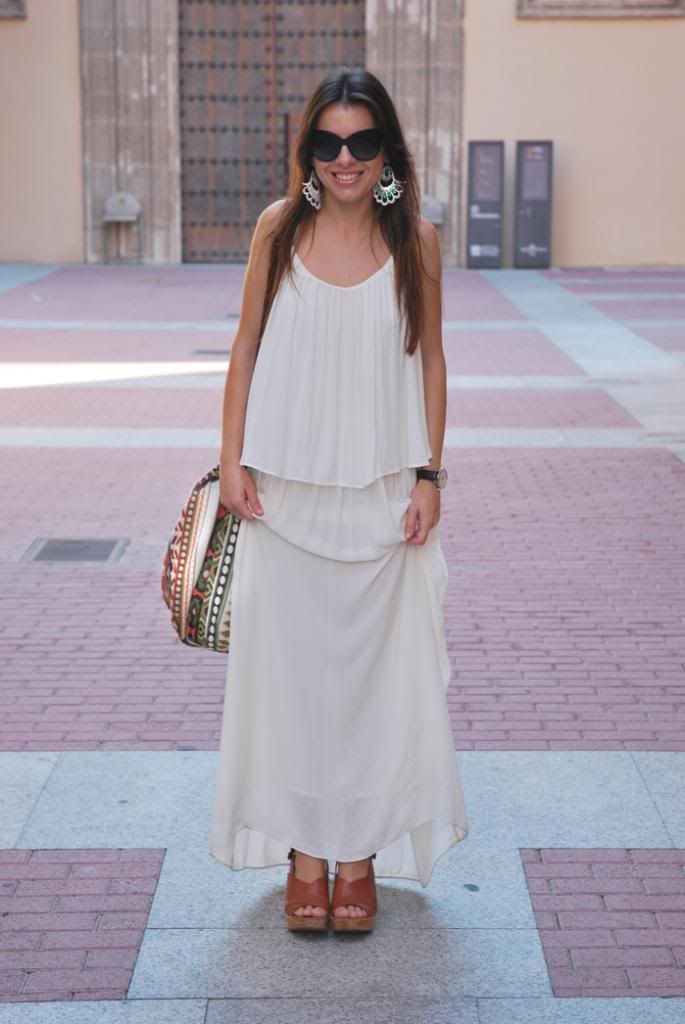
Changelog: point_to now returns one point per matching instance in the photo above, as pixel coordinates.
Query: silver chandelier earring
(388, 188)
(312, 190)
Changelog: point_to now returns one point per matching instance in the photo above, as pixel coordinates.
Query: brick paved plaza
(564, 532)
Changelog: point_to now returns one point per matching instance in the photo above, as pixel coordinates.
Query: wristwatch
(438, 476)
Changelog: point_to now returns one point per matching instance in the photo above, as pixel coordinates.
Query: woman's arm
(432, 354)
(424, 511)
(238, 493)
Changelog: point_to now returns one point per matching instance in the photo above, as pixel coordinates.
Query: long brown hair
(398, 221)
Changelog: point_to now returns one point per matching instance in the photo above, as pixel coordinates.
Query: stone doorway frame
(417, 50)
(130, 123)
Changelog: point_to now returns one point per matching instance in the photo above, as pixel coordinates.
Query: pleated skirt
(335, 736)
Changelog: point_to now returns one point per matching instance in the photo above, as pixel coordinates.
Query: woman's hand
(238, 493)
(423, 513)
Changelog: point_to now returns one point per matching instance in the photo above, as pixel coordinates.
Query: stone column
(415, 47)
(131, 137)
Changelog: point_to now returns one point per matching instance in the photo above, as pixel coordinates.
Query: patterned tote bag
(197, 568)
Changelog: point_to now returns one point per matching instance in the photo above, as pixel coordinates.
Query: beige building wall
(610, 93)
(41, 195)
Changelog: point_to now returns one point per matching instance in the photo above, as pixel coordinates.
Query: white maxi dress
(335, 735)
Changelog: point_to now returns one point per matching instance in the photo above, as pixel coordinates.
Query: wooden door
(247, 68)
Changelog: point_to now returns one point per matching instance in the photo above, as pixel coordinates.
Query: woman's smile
(347, 178)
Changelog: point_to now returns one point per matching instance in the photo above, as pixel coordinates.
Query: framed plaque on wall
(12, 8)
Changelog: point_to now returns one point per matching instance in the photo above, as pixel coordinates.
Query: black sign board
(484, 223)
(533, 215)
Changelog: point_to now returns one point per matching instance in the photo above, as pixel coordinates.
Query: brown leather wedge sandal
(299, 893)
(362, 893)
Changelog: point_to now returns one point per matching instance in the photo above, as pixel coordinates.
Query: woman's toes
(350, 910)
(309, 911)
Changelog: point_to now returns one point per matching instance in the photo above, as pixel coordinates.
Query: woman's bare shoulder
(271, 214)
(430, 246)
(428, 234)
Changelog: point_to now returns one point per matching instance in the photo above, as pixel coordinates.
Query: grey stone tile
(108, 437)
(658, 404)
(209, 381)
(106, 1011)
(653, 277)
(654, 296)
(664, 776)
(118, 325)
(581, 1011)
(168, 374)
(13, 275)
(515, 798)
(327, 1011)
(542, 437)
(600, 345)
(23, 777)
(455, 437)
(654, 321)
(559, 798)
(227, 963)
(125, 798)
(478, 884)
(520, 382)
(507, 326)
(195, 891)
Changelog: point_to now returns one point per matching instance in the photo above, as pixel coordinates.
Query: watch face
(442, 477)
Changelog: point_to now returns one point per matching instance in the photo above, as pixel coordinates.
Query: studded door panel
(247, 68)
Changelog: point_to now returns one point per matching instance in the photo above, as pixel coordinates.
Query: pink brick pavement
(563, 613)
(71, 921)
(113, 345)
(609, 275)
(482, 351)
(159, 407)
(468, 296)
(564, 609)
(128, 293)
(628, 284)
(115, 407)
(611, 921)
(536, 408)
(634, 307)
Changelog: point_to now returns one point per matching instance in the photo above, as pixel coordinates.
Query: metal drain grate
(65, 549)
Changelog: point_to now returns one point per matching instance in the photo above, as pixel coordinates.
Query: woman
(336, 744)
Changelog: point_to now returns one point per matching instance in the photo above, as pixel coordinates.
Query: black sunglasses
(364, 145)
